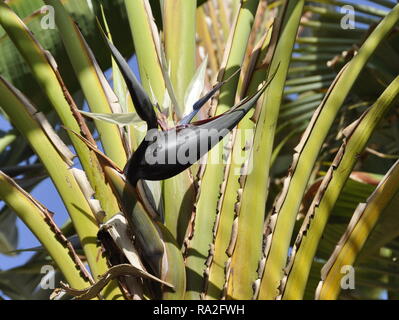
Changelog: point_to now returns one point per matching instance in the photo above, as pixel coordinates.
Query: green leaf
(380, 209)
(8, 231)
(121, 119)
(287, 205)
(355, 140)
(212, 178)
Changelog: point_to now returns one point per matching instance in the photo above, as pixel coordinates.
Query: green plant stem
(89, 78)
(286, 209)
(32, 215)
